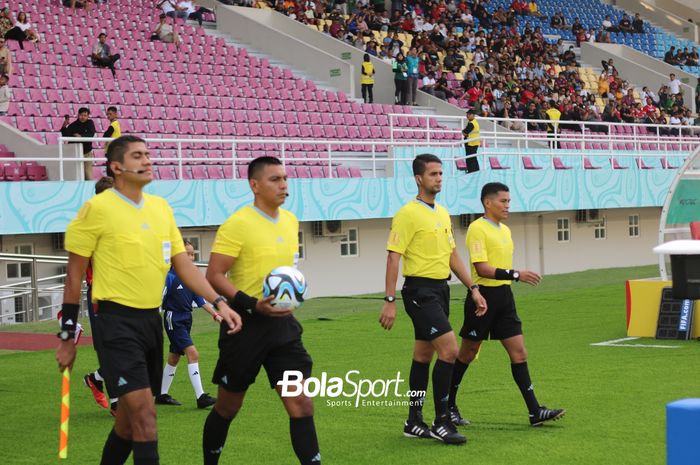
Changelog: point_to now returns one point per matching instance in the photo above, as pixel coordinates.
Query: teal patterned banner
(42, 207)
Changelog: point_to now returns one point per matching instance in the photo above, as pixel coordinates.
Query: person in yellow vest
(114, 130)
(471, 134)
(552, 114)
(367, 79)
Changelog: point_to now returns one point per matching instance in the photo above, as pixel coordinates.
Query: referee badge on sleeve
(167, 248)
(394, 238)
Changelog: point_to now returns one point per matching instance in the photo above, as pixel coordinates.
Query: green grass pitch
(615, 396)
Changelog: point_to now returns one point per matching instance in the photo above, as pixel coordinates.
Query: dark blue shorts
(178, 326)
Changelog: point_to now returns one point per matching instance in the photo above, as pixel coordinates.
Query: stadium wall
(536, 238)
(46, 207)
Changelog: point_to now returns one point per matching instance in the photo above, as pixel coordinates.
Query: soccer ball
(288, 286)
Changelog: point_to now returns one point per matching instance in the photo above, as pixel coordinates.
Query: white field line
(615, 343)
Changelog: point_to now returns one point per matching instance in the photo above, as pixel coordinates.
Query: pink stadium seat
(665, 164)
(529, 165)
(587, 165)
(616, 164)
(641, 165)
(496, 164)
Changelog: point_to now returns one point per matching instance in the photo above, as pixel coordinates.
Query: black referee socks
(457, 374)
(417, 382)
(116, 450)
(146, 453)
(214, 437)
(442, 378)
(304, 440)
(521, 375)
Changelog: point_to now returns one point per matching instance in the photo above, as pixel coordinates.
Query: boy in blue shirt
(177, 306)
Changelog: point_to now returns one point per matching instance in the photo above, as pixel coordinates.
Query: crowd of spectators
(682, 57)
(492, 60)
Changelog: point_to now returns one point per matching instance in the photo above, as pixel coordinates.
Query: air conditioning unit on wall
(333, 228)
(588, 216)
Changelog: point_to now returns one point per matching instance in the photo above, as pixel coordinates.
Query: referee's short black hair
(259, 163)
(492, 188)
(421, 160)
(117, 148)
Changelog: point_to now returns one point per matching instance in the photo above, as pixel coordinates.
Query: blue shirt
(177, 297)
(413, 63)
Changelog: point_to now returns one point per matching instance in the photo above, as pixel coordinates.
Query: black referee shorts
(427, 302)
(129, 347)
(501, 321)
(273, 343)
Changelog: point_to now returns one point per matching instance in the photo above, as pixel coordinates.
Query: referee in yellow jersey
(132, 240)
(491, 253)
(251, 243)
(421, 233)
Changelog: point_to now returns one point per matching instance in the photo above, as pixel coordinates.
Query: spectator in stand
(5, 95)
(609, 66)
(533, 10)
(400, 68)
(628, 99)
(670, 56)
(441, 88)
(558, 21)
(697, 96)
(5, 21)
(165, 32)
(413, 64)
(638, 24)
(86, 4)
(429, 84)
(5, 58)
(81, 127)
(367, 79)
(22, 31)
(170, 8)
(114, 130)
(649, 94)
(674, 84)
(102, 56)
(693, 59)
(625, 25)
(193, 12)
(607, 25)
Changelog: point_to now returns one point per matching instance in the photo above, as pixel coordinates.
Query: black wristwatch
(389, 298)
(474, 287)
(65, 335)
(215, 303)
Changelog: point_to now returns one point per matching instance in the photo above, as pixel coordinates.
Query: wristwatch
(65, 335)
(389, 298)
(215, 303)
(473, 287)
(516, 275)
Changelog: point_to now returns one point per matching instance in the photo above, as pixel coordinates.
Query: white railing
(579, 133)
(377, 158)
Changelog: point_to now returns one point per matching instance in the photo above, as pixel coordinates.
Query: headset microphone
(132, 171)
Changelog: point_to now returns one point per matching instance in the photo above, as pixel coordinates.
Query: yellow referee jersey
(423, 236)
(259, 244)
(131, 246)
(490, 243)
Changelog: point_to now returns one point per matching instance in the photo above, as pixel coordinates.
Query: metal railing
(31, 290)
(519, 133)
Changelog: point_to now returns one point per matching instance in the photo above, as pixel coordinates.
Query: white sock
(113, 399)
(196, 381)
(97, 376)
(168, 376)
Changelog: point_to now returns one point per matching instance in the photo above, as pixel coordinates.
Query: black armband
(242, 302)
(69, 316)
(504, 275)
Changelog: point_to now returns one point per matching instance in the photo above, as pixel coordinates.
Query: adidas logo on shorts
(473, 333)
(122, 382)
(433, 330)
